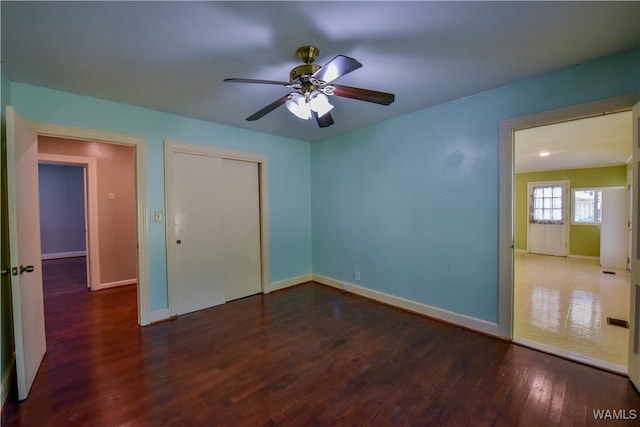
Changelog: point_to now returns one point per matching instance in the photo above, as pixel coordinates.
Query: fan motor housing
(301, 70)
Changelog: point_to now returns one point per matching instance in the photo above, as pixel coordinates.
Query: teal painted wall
(412, 203)
(289, 174)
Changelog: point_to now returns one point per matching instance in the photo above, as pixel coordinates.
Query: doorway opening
(74, 214)
(563, 307)
(109, 208)
(69, 211)
(85, 146)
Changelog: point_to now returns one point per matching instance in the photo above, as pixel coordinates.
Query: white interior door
(24, 236)
(548, 215)
(196, 194)
(634, 309)
(241, 229)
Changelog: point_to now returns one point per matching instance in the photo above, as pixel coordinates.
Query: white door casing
(24, 250)
(634, 300)
(220, 194)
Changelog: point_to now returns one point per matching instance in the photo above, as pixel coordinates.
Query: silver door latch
(13, 271)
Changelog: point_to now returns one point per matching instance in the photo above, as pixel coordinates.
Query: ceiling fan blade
(269, 108)
(364, 94)
(337, 67)
(266, 82)
(323, 121)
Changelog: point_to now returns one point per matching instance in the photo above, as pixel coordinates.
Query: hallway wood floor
(305, 356)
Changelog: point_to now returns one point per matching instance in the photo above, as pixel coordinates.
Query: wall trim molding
(59, 255)
(587, 257)
(436, 313)
(116, 284)
(7, 380)
(287, 283)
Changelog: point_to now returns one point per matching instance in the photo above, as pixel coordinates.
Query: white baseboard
(7, 380)
(590, 258)
(571, 356)
(164, 314)
(282, 284)
(59, 255)
(126, 282)
(465, 321)
(158, 315)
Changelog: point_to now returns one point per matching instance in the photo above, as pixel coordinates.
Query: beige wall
(117, 217)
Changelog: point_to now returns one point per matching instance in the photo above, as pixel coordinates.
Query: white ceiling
(597, 141)
(173, 56)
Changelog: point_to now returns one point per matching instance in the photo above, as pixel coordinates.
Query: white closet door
(214, 239)
(241, 229)
(198, 271)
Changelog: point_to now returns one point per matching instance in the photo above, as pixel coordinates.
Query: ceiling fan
(311, 84)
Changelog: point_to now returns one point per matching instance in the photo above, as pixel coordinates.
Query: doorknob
(26, 269)
(178, 241)
(5, 271)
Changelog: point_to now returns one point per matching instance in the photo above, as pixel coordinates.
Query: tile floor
(562, 304)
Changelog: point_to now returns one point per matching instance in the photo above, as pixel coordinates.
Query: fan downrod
(308, 54)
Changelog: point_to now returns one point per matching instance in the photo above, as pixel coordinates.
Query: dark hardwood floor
(305, 356)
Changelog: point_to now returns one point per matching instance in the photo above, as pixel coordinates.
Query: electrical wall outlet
(357, 276)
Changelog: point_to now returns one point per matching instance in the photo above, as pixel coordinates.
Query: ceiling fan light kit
(302, 106)
(312, 88)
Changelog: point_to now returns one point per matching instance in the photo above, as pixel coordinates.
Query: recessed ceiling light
(544, 153)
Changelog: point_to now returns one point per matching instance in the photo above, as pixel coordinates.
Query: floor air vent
(617, 322)
(609, 272)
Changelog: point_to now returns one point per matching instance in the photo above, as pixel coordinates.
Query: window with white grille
(547, 204)
(586, 206)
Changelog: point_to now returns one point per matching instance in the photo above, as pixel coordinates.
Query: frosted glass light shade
(298, 106)
(320, 104)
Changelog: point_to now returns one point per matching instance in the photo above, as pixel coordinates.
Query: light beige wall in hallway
(117, 216)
